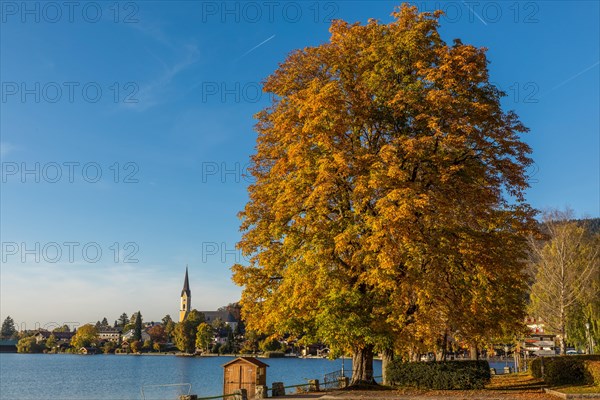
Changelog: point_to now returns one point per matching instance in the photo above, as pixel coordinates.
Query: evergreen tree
(123, 320)
(166, 319)
(239, 330)
(137, 334)
(8, 328)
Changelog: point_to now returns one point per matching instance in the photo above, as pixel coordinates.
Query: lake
(120, 377)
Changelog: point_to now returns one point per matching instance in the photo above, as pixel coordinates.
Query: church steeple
(186, 298)
(186, 284)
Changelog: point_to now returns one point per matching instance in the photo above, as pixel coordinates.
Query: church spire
(186, 284)
(186, 298)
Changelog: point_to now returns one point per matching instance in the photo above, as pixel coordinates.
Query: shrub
(29, 345)
(274, 354)
(534, 366)
(562, 370)
(442, 375)
(592, 372)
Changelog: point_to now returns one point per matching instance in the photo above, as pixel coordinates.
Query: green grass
(578, 389)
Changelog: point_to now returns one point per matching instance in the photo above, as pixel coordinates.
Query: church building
(185, 306)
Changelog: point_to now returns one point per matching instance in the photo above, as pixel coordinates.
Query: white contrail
(255, 47)
(474, 13)
(570, 79)
(575, 76)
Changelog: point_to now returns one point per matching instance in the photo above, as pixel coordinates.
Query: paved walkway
(432, 395)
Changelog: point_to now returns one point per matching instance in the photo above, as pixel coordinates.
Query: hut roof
(250, 360)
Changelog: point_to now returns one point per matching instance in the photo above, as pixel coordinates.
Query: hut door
(249, 379)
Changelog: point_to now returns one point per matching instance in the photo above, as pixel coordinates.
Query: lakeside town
(222, 332)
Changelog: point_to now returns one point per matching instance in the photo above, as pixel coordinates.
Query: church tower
(186, 298)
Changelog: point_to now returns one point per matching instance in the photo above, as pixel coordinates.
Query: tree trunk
(474, 352)
(444, 347)
(563, 328)
(563, 344)
(386, 358)
(413, 355)
(362, 366)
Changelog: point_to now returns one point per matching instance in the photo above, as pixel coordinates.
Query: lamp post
(588, 337)
(506, 355)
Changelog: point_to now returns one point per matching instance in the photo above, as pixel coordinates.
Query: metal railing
(332, 380)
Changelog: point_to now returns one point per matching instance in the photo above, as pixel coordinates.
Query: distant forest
(592, 224)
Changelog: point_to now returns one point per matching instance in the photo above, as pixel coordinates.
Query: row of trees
(193, 333)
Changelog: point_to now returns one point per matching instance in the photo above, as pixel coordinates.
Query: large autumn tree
(387, 209)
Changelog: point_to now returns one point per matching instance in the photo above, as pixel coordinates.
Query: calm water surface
(107, 377)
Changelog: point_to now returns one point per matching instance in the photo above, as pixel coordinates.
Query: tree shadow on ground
(516, 382)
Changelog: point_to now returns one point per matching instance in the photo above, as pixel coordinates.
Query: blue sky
(134, 120)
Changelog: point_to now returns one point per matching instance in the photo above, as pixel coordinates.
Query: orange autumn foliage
(388, 205)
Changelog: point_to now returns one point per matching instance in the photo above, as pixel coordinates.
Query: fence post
(343, 382)
(278, 389)
(261, 392)
(313, 385)
(240, 394)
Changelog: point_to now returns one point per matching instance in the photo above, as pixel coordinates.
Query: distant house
(224, 315)
(88, 350)
(128, 336)
(109, 334)
(313, 349)
(539, 342)
(59, 336)
(8, 346)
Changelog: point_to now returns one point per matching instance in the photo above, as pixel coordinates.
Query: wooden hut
(244, 373)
